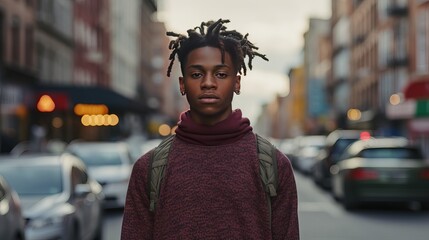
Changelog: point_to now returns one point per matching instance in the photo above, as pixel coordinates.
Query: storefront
(414, 110)
(90, 113)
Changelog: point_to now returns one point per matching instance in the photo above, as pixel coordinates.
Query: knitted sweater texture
(212, 189)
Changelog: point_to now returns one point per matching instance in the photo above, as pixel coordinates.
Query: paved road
(321, 217)
(112, 224)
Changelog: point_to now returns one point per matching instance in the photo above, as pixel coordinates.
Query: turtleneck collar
(227, 131)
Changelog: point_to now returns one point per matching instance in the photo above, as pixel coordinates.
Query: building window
(29, 46)
(382, 6)
(401, 45)
(385, 40)
(422, 42)
(15, 28)
(45, 10)
(1, 36)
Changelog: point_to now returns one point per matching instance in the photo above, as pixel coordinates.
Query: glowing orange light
(164, 130)
(99, 120)
(90, 109)
(45, 104)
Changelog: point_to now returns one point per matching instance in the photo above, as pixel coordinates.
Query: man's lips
(208, 98)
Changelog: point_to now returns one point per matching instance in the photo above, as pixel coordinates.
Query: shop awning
(68, 96)
(417, 89)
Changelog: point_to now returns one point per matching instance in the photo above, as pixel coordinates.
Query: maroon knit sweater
(212, 189)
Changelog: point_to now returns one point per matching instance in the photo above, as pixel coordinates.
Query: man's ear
(237, 85)
(182, 84)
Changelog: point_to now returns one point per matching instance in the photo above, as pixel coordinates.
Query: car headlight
(45, 222)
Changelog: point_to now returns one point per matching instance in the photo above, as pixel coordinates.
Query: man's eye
(221, 75)
(196, 75)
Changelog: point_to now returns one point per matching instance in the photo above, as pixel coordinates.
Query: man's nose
(209, 81)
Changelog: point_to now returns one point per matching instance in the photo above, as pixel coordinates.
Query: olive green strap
(158, 162)
(267, 154)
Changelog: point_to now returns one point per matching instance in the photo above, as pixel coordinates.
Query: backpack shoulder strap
(157, 164)
(267, 154)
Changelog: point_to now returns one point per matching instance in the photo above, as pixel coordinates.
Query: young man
(212, 186)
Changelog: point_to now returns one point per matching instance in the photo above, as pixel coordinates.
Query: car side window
(2, 191)
(344, 155)
(78, 176)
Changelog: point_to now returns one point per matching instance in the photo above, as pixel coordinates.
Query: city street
(322, 218)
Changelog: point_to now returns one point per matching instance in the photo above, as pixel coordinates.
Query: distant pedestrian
(212, 187)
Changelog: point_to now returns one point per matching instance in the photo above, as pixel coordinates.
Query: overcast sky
(275, 26)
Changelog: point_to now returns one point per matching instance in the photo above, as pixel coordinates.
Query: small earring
(237, 92)
(183, 93)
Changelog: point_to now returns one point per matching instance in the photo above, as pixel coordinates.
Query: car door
(85, 202)
(4, 210)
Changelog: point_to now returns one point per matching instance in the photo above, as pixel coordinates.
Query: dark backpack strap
(267, 154)
(157, 164)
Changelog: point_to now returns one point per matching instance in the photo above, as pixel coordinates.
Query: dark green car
(381, 170)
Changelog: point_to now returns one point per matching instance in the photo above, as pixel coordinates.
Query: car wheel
(348, 202)
(336, 198)
(75, 233)
(425, 206)
(316, 175)
(19, 236)
(99, 231)
(334, 193)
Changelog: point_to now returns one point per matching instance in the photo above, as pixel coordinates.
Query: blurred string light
(100, 120)
(164, 130)
(57, 122)
(95, 115)
(395, 99)
(354, 114)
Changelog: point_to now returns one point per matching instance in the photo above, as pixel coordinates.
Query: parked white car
(11, 219)
(110, 163)
(308, 148)
(59, 199)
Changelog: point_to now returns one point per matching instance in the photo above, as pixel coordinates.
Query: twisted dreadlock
(214, 34)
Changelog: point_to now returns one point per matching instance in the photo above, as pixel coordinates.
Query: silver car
(11, 219)
(307, 149)
(110, 163)
(59, 199)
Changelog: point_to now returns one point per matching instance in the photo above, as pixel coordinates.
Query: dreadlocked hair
(214, 34)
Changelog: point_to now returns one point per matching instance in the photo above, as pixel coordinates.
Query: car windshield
(92, 157)
(399, 153)
(34, 180)
(340, 146)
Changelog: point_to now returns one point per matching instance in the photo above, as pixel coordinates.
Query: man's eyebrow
(201, 67)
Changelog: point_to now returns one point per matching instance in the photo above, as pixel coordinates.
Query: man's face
(209, 85)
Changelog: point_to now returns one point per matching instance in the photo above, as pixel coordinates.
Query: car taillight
(365, 135)
(425, 174)
(362, 174)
